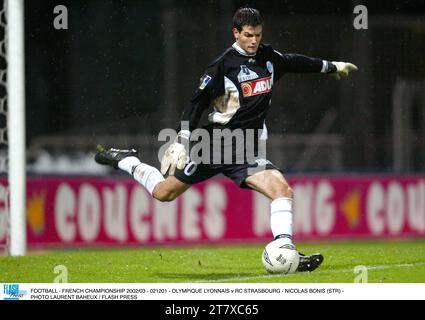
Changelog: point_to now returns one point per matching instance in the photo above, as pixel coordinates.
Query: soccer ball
(279, 256)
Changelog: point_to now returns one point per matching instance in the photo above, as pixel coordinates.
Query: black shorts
(236, 169)
(195, 173)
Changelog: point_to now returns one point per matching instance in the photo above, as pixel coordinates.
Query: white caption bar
(199, 291)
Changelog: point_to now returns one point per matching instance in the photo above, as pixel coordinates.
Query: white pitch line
(268, 276)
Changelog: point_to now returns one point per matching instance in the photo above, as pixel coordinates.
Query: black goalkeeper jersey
(238, 86)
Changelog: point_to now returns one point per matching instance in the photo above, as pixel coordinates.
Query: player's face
(249, 38)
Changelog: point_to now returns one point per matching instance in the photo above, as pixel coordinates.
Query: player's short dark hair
(247, 17)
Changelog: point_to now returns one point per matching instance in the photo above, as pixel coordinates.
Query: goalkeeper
(238, 86)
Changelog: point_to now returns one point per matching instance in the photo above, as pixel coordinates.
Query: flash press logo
(12, 292)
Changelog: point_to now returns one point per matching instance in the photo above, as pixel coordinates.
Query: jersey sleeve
(296, 63)
(211, 85)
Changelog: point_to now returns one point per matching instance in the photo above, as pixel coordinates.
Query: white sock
(128, 164)
(281, 217)
(146, 175)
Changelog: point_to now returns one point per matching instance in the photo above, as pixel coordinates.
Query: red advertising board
(111, 211)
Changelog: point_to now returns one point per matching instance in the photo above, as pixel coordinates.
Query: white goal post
(16, 125)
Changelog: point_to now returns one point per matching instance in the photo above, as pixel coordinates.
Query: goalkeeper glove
(342, 69)
(174, 157)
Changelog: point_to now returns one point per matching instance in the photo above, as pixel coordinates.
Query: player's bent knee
(283, 191)
(279, 185)
(169, 190)
(164, 195)
(289, 191)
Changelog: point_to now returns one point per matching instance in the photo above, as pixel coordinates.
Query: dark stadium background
(125, 69)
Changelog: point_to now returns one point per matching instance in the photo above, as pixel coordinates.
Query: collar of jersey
(242, 51)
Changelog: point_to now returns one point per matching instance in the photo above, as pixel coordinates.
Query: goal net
(3, 131)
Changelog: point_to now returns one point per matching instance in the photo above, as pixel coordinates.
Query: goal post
(16, 125)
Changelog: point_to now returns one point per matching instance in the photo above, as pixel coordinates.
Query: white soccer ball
(281, 256)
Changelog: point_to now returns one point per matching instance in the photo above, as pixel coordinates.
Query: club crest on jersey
(270, 67)
(256, 87)
(204, 81)
(246, 74)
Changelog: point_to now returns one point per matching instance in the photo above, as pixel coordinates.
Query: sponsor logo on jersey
(204, 81)
(256, 87)
(246, 74)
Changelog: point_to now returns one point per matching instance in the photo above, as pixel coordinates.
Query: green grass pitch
(387, 261)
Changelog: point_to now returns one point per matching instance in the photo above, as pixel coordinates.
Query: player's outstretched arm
(298, 63)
